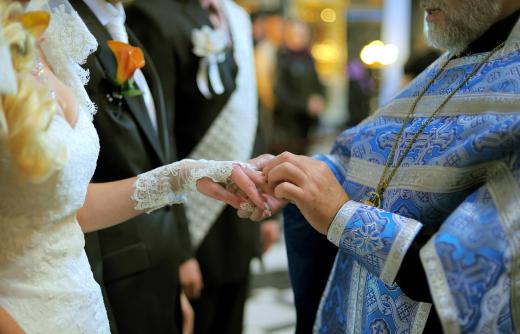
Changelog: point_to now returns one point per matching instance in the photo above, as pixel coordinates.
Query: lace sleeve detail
(171, 184)
(66, 44)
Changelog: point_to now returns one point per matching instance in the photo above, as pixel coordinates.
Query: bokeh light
(328, 15)
(378, 54)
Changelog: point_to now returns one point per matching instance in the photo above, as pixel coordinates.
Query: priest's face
(454, 24)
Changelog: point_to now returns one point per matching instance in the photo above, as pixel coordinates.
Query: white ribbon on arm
(210, 45)
(8, 84)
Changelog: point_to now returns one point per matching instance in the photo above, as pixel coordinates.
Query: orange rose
(35, 22)
(128, 59)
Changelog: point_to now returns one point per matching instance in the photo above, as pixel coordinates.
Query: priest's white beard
(463, 25)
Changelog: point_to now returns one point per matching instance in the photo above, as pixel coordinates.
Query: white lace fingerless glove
(170, 184)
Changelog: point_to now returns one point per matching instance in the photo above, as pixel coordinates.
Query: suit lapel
(197, 14)
(135, 104)
(154, 83)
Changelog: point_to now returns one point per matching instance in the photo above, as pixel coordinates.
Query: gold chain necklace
(375, 197)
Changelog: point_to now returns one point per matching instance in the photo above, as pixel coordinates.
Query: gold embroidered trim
(337, 226)
(439, 288)
(506, 195)
(497, 103)
(421, 317)
(402, 242)
(433, 179)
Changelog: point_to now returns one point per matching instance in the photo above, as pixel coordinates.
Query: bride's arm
(7, 324)
(107, 204)
(111, 203)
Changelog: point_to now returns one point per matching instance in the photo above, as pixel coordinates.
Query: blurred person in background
(212, 96)
(299, 94)
(258, 21)
(360, 90)
(266, 51)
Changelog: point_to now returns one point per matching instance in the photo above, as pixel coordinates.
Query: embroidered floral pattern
(365, 239)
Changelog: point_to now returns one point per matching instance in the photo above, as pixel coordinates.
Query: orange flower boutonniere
(128, 59)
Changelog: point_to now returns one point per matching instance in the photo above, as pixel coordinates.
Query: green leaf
(132, 92)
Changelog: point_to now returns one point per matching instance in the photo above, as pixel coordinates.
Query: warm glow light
(325, 52)
(390, 54)
(328, 15)
(377, 54)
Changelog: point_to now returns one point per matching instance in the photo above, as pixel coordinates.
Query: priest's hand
(309, 184)
(272, 204)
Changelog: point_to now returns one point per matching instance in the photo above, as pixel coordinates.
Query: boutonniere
(210, 45)
(128, 59)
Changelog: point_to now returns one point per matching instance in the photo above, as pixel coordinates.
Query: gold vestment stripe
(468, 105)
(434, 179)
(505, 192)
(440, 289)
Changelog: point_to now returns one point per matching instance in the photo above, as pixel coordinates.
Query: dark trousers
(220, 309)
(311, 257)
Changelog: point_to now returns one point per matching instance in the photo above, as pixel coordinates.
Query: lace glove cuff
(170, 184)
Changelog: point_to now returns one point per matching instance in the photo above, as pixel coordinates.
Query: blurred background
(322, 67)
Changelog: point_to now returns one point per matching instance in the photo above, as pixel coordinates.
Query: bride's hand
(172, 183)
(272, 205)
(243, 189)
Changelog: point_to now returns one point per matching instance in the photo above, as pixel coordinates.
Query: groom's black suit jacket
(165, 28)
(136, 261)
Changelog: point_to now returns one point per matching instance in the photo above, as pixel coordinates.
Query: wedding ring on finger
(267, 210)
(247, 207)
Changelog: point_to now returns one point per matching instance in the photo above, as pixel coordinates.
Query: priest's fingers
(247, 186)
(289, 191)
(215, 190)
(284, 157)
(260, 161)
(286, 172)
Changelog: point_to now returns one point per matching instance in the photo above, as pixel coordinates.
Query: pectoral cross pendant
(374, 199)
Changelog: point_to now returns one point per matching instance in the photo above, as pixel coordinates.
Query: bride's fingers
(212, 189)
(257, 215)
(258, 179)
(248, 211)
(243, 214)
(274, 205)
(247, 186)
(245, 210)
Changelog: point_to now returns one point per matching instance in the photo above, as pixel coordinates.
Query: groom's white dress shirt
(113, 17)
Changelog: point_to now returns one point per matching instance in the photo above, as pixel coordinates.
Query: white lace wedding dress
(46, 282)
